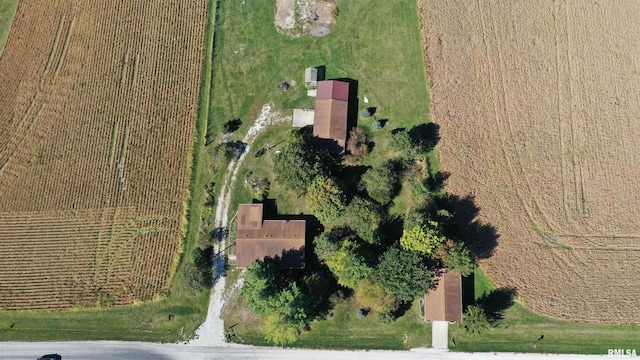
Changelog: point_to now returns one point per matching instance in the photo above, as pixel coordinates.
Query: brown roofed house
(330, 122)
(444, 303)
(256, 238)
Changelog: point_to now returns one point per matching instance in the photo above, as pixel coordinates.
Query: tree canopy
(374, 297)
(380, 183)
(364, 217)
(424, 239)
(326, 199)
(460, 259)
(348, 264)
(405, 274)
(295, 166)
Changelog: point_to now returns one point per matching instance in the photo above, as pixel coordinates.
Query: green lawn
(147, 321)
(520, 328)
(7, 12)
(375, 43)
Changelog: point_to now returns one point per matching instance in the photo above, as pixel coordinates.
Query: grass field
(537, 111)
(388, 66)
(7, 11)
(520, 328)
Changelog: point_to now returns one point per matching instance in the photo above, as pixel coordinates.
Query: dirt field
(97, 121)
(538, 107)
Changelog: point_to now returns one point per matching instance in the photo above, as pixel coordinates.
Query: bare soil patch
(537, 103)
(97, 122)
(301, 17)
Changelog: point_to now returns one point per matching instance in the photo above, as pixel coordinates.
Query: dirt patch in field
(301, 17)
(537, 103)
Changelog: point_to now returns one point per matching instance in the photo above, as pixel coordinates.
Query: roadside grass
(150, 321)
(7, 12)
(343, 330)
(521, 328)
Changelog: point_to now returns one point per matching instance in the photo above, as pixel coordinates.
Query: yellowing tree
(325, 199)
(424, 239)
(374, 297)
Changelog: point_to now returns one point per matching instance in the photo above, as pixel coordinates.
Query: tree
(195, 278)
(295, 166)
(460, 259)
(424, 239)
(325, 199)
(402, 142)
(266, 291)
(380, 183)
(348, 265)
(374, 297)
(278, 331)
(364, 217)
(357, 148)
(475, 321)
(404, 273)
(376, 124)
(325, 245)
(228, 150)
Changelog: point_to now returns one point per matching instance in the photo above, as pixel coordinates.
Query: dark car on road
(50, 357)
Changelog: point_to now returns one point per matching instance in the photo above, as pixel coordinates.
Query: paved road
(112, 350)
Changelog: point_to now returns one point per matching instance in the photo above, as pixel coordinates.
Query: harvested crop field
(97, 121)
(538, 107)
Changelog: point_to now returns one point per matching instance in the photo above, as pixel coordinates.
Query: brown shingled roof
(330, 122)
(444, 303)
(333, 89)
(257, 238)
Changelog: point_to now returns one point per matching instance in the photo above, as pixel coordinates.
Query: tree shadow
(351, 176)
(481, 238)
(232, 125)
(426, 135)
(289, 259)
(496, 302)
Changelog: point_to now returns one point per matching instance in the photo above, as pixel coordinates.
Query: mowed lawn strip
(521, 328)
(7, 12)
(144, 322)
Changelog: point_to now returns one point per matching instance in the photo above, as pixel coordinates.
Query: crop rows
(538, 120)
(98, 120)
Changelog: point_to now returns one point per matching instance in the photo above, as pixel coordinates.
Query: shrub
(475, 321)
(357, 148)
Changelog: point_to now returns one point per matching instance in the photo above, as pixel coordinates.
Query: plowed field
(538, 103)
(97, 122)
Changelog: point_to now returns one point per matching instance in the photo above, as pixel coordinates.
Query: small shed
(311, 77)
(303, 117)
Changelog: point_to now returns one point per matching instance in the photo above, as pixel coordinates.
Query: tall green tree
(364, 217)
(424, 239)
(325, 199)
(406, 274)
(326, 244)
(278, 301)
(295, 166)
(348, 265)
(460, 259)
(380, 183)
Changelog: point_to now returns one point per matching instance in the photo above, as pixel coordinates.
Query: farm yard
(538, 107)
(97, 125)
